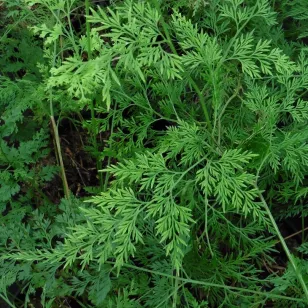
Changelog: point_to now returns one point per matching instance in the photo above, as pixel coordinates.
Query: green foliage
(206, 108)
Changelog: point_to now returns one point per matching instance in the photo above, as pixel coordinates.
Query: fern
(205, 105)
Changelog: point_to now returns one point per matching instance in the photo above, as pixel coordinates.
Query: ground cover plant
(153, 153)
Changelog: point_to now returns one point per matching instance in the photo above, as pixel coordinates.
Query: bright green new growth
(207, 108)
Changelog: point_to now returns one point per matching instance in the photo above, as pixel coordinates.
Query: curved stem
(285, 247)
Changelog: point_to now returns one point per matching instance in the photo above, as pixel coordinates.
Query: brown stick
(298, 232)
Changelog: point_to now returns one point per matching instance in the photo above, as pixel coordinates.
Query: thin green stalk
(144, 107)
(303, 228)
(234, 95)
(202, 102)
(7, 301)
(215, 102)
(193, 83)
(238, 32)
(209, 284)
(10, 27)
(184, 294)
(285, 247)
(206, 225)
(107, 175)
(69, 34)
(71, 27)
(53, 65)
(171, 294)
(56, 135)
(88, 29)
(58, 147)
(183, 174)
(176, 287)
(92, 106)
(93, 127)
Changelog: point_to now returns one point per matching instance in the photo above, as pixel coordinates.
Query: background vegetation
(153, 153)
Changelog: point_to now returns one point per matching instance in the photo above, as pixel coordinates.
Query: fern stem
(176, 287)
(303, 228)
(92, 107)
(184, 173)
(206, 225)
(71, 28)
(193, 83)
(238, 32)
(144, 107)
(234, 95)
(168, 297)
(88, 29)
(7, 301)
(93, 128)
(56, 135)
(284, 245)
(69, 35)
(202, 102)
(58, 147)
(209, 284)
(53, 65)
(107, 175)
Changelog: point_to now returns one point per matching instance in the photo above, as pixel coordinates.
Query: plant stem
(193, 83)
(285, 247)
(92, 107)
(7, 301)
(107, 175)
(303, 227)
(88, 29)
(71, 28)
(93, 128)
(206, 225)
(56, 135)
(58, 147)
(176, 286)
(209, 284)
